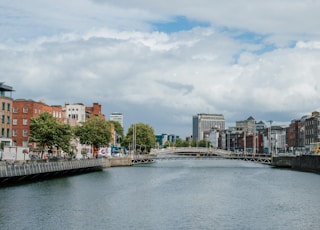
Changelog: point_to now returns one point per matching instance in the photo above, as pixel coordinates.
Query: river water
(180, 194)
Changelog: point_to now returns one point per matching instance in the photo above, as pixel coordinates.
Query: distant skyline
(160, 63)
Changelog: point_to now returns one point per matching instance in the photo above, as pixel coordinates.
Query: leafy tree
(145, 137)
(96, 131)
(181, 143)
(203, 143)
(168, 144)
(47, 131)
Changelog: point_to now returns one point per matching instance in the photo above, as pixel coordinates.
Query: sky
(160, 63)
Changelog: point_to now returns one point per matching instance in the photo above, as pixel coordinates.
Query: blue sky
(160, 63)
(178, 23)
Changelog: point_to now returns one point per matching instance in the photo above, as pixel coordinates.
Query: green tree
(181, 143)
(95, 131)
(47, 131)
(168, 144)
(145, 137)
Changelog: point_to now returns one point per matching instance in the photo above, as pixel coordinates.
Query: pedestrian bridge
(191, 150)
(198, 153)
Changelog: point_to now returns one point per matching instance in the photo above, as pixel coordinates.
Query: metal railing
(25, 169)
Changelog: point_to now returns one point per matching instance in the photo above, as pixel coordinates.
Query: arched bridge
(198, 153)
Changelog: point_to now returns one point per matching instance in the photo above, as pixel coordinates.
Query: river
(180, 194)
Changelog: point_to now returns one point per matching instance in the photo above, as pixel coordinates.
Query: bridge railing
(174, 150)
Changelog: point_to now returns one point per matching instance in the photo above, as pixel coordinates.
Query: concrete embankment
(120, 161)
(25, 171)
(310, 163)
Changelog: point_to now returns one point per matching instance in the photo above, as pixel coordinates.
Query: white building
(117, 117)
(76, 111)
(203, 123)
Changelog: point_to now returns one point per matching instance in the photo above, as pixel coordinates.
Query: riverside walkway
(29, 171)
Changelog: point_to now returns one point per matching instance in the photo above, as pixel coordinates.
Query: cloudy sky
(161, 63)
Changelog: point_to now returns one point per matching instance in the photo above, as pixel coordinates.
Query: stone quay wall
(310, 163)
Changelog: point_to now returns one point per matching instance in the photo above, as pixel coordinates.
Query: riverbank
(309, 163)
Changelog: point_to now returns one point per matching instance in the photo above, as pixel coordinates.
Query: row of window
(5, 133)
(24, 121)
(3, 119)
(4, 106)
(37, 111)
(15, 132)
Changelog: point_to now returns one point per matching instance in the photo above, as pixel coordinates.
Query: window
(25, 143)
(8, 133)
(8, 107)
(8, 119)
(25, 110)
(14, 133)
(2, 132)
(3, 105)
(15, 110)
(14, 121)
(25, 121)
(25, 133)
(2, 118)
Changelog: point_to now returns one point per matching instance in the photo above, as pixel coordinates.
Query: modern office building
(6, 113)
(203, 122)
(117, 117)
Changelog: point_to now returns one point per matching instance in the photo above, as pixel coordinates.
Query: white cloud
(92, 55)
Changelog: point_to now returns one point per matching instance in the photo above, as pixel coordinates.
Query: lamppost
(244, 142)
(254, 140)
(269, 136)
(228, 141)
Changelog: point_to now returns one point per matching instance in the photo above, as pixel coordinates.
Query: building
(6, 114)
(22, 112)
(75, 111)
(94, 111)
(162, 139)
(202, 123)
(248, 126)
(117, 117)
(312, 128)
(293, 134)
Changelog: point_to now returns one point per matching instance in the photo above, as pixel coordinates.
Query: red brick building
(22, 112)
(93, 111)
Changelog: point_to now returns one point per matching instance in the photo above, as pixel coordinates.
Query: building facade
(248, 126)
(6, 102)
(312, 128)
(94, 111)
(76, 112)
(202, 123)
(22, 112)
(117, 117)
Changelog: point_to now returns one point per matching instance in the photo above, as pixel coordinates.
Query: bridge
(199, 154)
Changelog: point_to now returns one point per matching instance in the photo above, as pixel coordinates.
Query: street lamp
(269, 136)
(228, 141)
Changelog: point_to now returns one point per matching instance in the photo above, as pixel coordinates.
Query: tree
(182, 143)
(145, 137)
(95, 131)
(47, 131)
